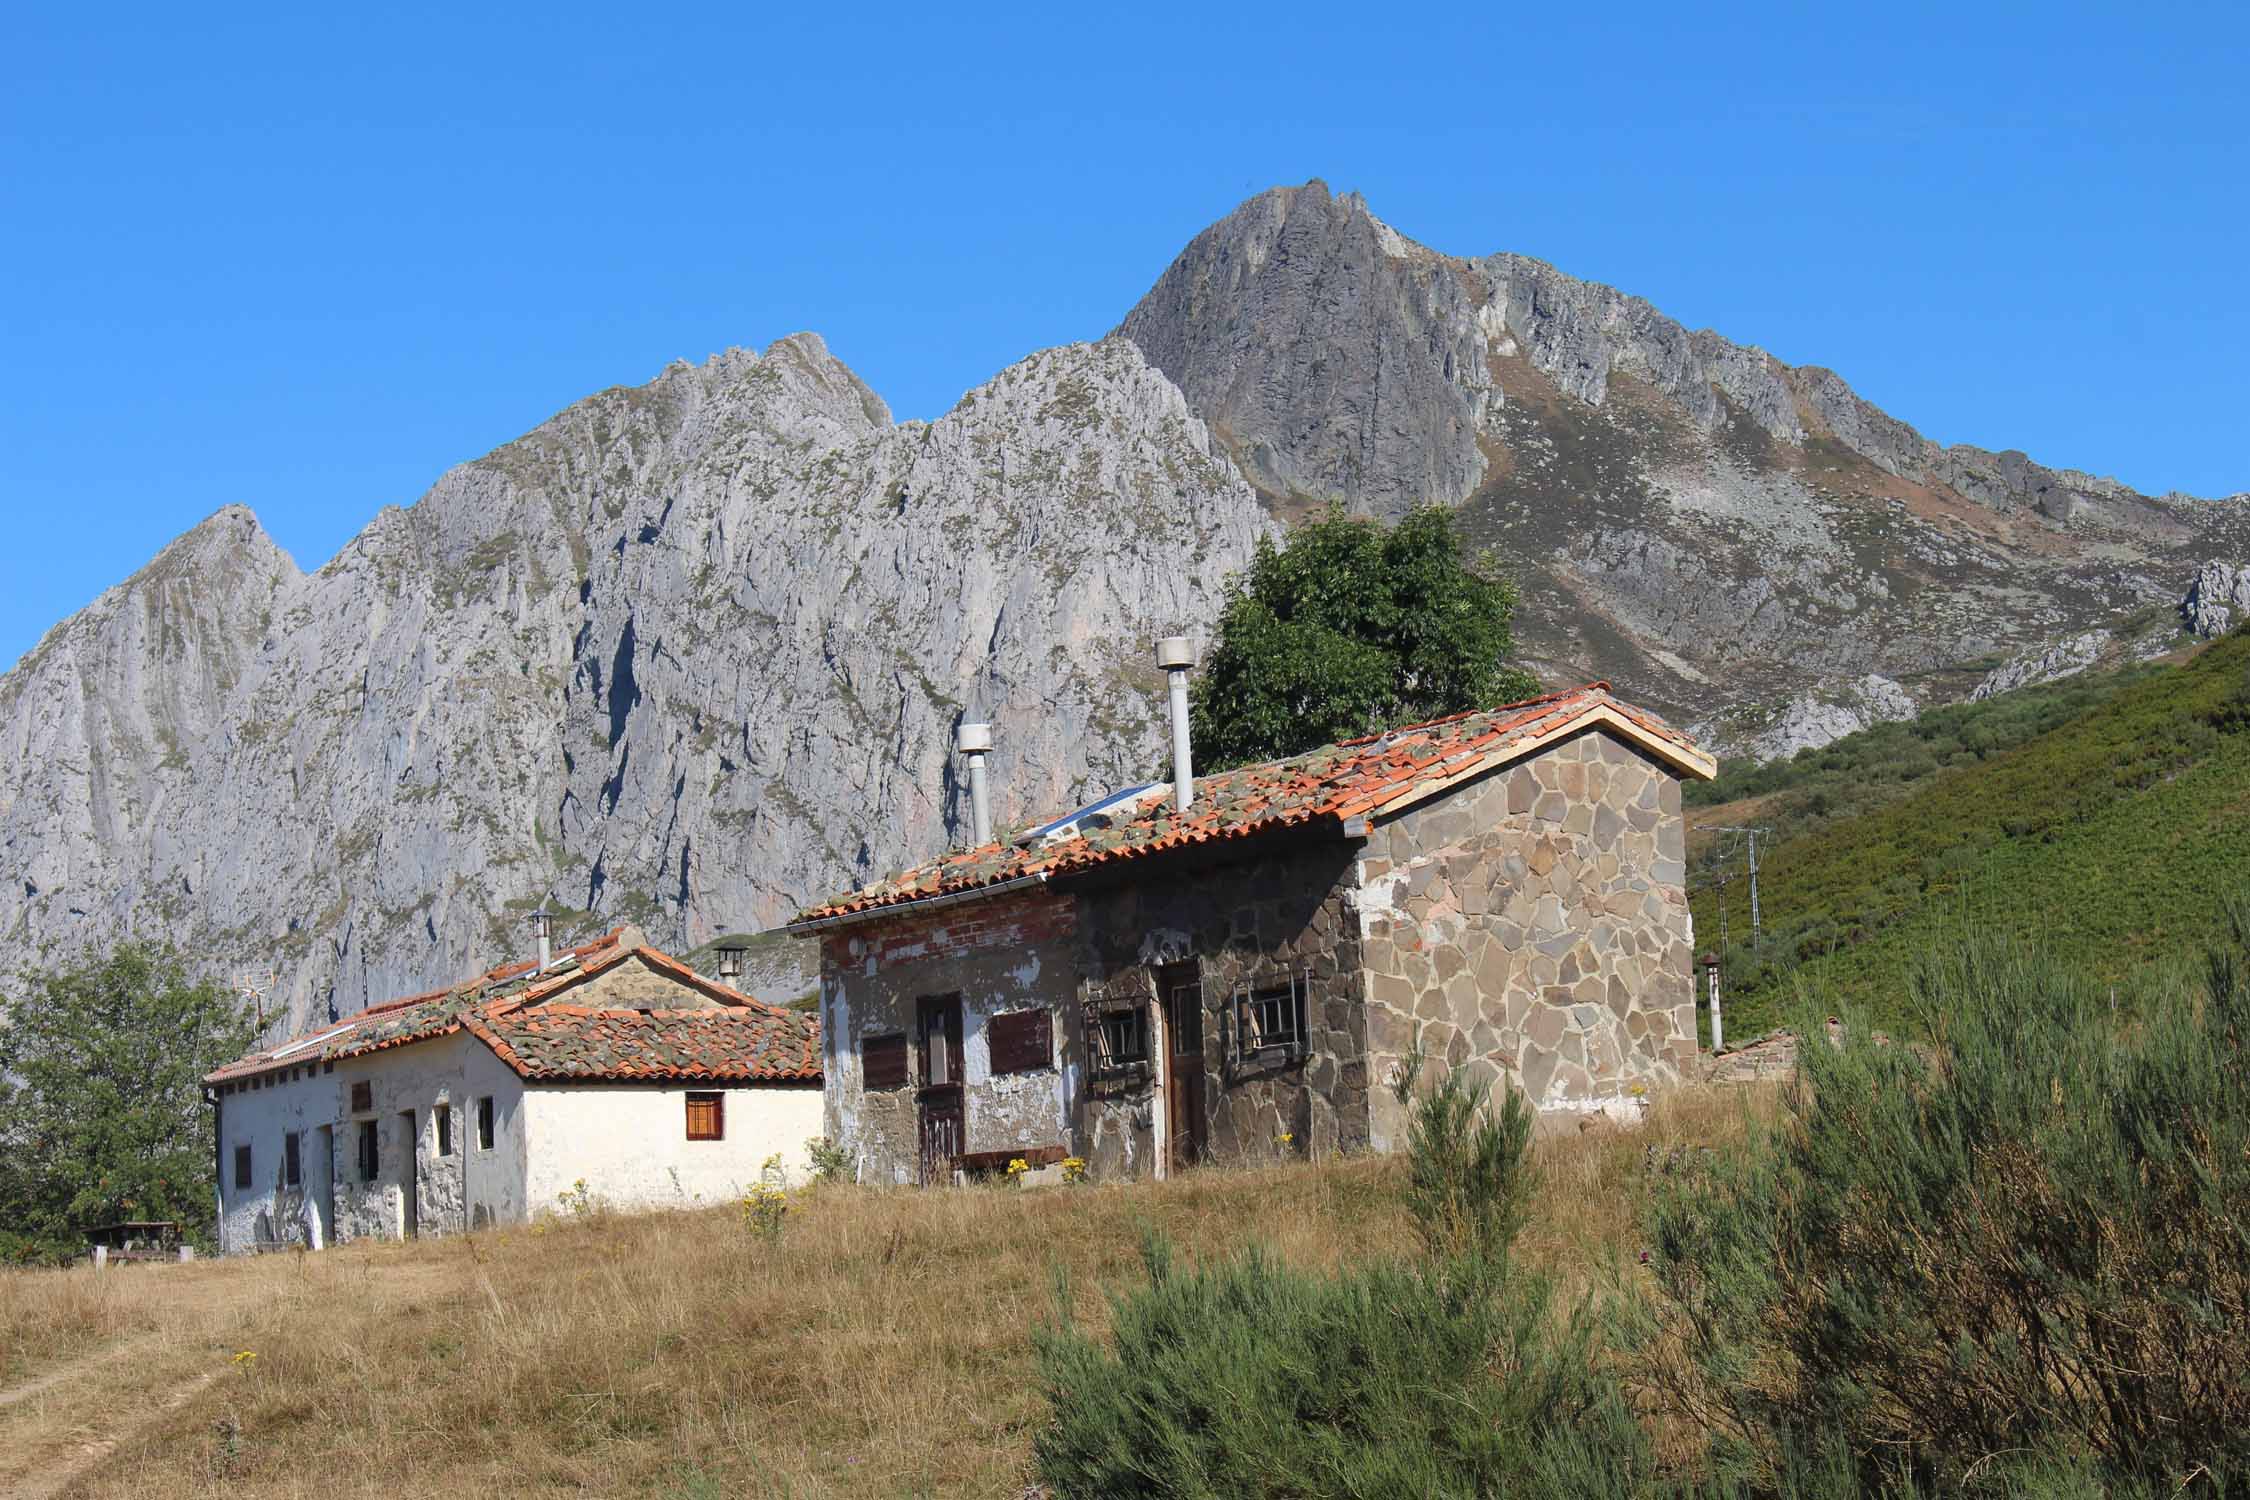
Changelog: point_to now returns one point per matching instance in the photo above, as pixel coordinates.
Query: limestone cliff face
(688, 654)
(692, 653)
(1723, 535)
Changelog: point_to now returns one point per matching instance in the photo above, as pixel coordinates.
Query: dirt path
(66, 1457)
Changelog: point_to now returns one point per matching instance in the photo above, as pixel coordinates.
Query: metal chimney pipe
(543, 923)
(1175, 656)
(975, 741)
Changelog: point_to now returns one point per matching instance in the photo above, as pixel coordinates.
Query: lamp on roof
(730, 964)
(974, 741)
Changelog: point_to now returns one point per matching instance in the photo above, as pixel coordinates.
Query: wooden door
(409, 1187)
(940, 1098)
(1180, 987)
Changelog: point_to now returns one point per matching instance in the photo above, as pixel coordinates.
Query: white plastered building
(616, 1074)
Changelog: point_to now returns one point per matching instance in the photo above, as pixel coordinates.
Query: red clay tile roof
(510, 990)
(551, 1043)
(1375, 774)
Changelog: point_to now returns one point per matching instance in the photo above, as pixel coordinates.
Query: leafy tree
(1352, 628)
(103, 1118)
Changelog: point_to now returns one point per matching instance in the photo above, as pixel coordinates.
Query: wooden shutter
(1022, 1040)
(706, 1117)
(363, 1095)
(882, 1061)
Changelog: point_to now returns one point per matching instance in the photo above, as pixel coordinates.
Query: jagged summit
(1718, 532)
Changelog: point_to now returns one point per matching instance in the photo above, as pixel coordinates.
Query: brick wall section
(1250, 922)
(951, 931)
(1533, 926)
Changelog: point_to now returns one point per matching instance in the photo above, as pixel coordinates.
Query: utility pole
(1756, 926)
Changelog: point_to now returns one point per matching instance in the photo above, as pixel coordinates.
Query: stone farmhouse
(613, 1066)
(1239, 964)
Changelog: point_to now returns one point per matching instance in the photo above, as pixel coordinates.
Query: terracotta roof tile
(1354, 778)
(559, 1042)
(761, 1037)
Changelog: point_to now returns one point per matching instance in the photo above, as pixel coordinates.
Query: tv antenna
(254, 988)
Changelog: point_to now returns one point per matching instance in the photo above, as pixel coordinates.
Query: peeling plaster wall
(1247, 923)
(1533, 926)
(1002, 954)
(470, 1188)
(628, 1143)
(259, 1118)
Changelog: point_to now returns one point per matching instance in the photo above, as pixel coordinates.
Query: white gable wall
(628, 1142)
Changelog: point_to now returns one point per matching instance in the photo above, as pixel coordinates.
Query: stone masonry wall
(1533, 926)
(1243, 923)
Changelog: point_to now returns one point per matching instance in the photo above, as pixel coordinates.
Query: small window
(484, 1123)
(444, 1116)
(363, 1096)
(882, 1061)
(1120, 1037)
(1273, 1018)
(292, 1166)
(370, 1151)
(242, 1166)
(706, 1117)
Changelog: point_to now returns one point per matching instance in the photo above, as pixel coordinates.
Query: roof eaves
(830, 918)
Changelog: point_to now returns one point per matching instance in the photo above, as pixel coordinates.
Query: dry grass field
(880, 1346)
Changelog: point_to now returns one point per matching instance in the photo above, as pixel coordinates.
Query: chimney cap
(1174, 654)
(973, 739)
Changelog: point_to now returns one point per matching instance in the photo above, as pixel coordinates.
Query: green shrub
(2018, 1263)
(1449, 1376)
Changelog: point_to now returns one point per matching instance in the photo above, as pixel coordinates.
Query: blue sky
(308, 261)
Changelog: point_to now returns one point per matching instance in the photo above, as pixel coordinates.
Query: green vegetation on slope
(2107, 834)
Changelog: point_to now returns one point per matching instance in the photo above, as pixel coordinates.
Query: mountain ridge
(691, 652)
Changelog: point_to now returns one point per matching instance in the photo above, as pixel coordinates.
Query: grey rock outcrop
(2064, 658)
(687, 654)
(2219, 596)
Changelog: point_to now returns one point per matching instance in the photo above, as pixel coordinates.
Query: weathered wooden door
(940, 1097)
(1180, 986)
(409, 1183)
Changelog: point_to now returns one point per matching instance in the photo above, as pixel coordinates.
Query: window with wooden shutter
(363, 1096)
(370, 1151)
(882, 1061)
(1021, 1040)
(242, 1166)
(706, 1117)
(1115, 1022)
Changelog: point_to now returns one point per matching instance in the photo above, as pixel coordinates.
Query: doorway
(940, 1099)
(409, 1174)
(1180, 988)
(323, 1165)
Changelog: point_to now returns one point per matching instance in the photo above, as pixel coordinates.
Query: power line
(1756, 924)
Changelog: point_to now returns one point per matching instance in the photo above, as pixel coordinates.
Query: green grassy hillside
(2105, 820)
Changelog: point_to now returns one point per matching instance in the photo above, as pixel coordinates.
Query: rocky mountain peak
(1714, 530)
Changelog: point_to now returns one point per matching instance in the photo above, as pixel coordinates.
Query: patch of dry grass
(879, 1347)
